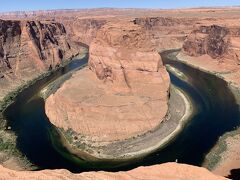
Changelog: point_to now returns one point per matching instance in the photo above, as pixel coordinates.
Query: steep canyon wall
(28, 48)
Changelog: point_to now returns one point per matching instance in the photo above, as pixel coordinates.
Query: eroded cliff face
(166, 32)
(218, 42)
(125, 93)
(82, 30)
(27, 48)
(216, 49)
(123, 57)
(157, 22)
(166, 171)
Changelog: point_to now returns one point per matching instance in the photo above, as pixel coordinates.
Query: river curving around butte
(215, 113)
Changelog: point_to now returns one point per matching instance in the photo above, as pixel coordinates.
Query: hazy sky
(16, 5)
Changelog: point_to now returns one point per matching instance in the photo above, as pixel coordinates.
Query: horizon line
(127, 8)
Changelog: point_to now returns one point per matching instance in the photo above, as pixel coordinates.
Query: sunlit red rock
(125, 93)
(168, 171)
(29, 48)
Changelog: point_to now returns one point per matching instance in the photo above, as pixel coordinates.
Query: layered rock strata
(123, 95)
(28, 48)
(166, 32)
(215, 41)
(215, 48)
(82, 30)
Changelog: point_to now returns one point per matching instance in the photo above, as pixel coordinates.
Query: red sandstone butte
(123, 95)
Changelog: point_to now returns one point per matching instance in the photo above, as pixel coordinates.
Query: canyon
(127, 69)
(124, 92)
(125, 95)
(28, 48)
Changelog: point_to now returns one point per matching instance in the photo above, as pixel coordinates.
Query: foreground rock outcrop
(166, 171)
(123, 95)
(28, 48)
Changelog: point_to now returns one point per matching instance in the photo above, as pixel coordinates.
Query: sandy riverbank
(229, 153)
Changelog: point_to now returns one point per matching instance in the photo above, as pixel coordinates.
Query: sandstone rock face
(79, 27)
(82, 30)
(211, 40)
(166, 32)
(126, 93)
(27, 48)
(123, 56)
(168, 171)
(218, 42)
(154, 22)
(10, 38)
